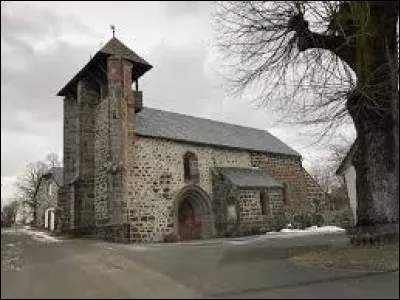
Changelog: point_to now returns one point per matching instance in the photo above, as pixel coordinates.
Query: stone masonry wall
(250, 218)
(156, 177)
(305, 202)
(114, 142)
(70, 133)
(249, 211)
(316, 195)
(221, 200)
(276, 204)
(69, 158)
(64, 202)
(45, 200)
(288, 171)
(102, 150)
(88, 99)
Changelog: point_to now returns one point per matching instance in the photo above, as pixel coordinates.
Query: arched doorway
(194, 218)
(189, 225)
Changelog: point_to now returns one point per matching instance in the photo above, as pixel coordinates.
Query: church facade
(139, 174)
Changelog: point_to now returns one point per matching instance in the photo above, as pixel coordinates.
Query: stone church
(139, 174)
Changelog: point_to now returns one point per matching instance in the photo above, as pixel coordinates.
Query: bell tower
(99, 138)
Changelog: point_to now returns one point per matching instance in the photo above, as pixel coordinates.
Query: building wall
(102, 150)
(45, 200)
(99, 137)
(88, 99)
(286, 170)
(157, 175)
(76, 197)
(305, 202)
(70, 154)
(247, 204)
(249, 211)
(350, 178)
(70, 140)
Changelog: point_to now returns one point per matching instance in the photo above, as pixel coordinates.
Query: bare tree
(323, 171)
(53, 160)
(9, 212)
(324, 174)
(325, 63)
(28, 184)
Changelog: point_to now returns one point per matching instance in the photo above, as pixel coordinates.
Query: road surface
(33, 267)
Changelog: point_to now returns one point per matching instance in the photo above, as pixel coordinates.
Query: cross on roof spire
(113, 30)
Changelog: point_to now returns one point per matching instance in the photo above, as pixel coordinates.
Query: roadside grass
(363, 258)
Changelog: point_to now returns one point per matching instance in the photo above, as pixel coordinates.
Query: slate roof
(250, 178)
(116, 47)
(58, 175)
(163, 124)
(113, 47)
(347, 160)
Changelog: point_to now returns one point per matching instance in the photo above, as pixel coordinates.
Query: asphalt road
(87, 268)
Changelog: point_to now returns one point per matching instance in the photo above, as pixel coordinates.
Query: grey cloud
(30, 79)
(37, 23)
(178, 81)
(31, 113)
(182, 8)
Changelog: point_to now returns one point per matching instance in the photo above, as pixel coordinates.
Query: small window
(285, 193)
(264, 203)
(50, 189)
(232, 212)
(190, 167)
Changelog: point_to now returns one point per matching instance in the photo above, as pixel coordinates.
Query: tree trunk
(374, 109)
(377, 181)
(34, 215)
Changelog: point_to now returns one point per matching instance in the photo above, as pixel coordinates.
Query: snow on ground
(288, 233)
(8, 230)
(40, 236)
(36, 235)
(313, 229)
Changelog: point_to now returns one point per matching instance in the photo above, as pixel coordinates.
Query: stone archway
(193, 215)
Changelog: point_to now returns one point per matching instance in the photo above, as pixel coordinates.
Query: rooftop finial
(113, 30)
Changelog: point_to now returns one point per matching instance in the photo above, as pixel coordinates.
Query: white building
(348, 171)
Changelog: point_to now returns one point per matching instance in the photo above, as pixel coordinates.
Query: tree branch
(307, 39)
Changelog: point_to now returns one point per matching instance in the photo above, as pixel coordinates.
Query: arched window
(190, 166)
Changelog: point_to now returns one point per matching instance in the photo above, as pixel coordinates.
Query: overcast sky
(44, 44)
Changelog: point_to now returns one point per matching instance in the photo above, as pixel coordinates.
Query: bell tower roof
(114, 47)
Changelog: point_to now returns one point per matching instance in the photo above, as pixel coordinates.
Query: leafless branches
(295, 57)
(28, 183)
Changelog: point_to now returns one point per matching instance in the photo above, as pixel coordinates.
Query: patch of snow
(240, 242)
(10, 245)
(8, 230)
(323, 229)
(139, 248)
(41, 236)
(287, 232)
